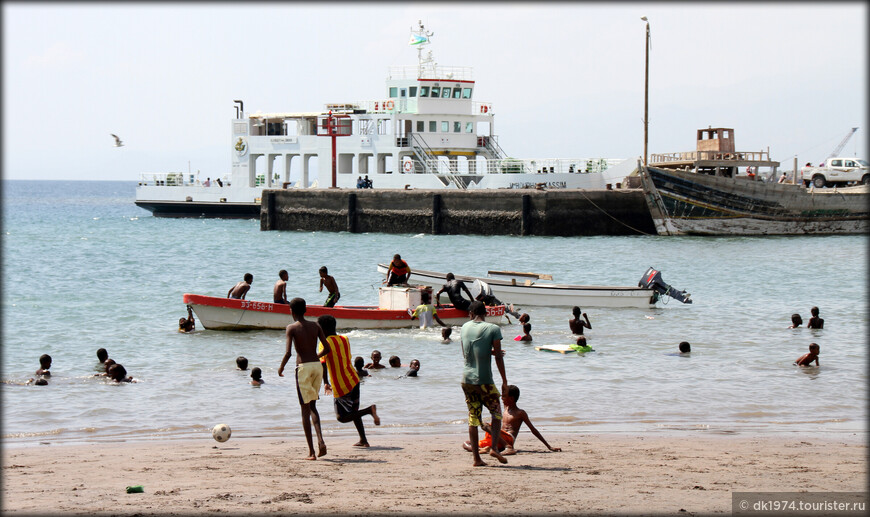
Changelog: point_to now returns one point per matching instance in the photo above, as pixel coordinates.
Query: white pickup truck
(837, 171)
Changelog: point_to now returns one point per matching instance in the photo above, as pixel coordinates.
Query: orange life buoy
(389, 105)
(408, 166)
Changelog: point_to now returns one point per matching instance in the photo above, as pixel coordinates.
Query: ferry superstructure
(427, 132)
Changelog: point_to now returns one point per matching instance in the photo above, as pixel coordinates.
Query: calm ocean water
(84, 268)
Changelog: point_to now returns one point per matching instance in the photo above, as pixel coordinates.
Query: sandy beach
(416, 474)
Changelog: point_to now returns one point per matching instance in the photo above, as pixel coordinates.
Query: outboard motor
(652, 279)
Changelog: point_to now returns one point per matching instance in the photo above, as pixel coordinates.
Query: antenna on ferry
(419, 39)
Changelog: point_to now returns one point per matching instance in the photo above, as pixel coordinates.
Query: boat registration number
(495, 311)
(257, 306)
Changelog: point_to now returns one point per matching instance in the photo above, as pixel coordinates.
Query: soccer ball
(221, 432)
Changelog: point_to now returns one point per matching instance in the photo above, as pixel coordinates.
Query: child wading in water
(807, 359)
(513, 419)
(577, 324)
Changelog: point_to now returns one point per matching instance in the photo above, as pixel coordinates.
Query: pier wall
(452, 212)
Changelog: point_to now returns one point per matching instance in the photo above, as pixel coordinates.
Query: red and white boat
(215, 313)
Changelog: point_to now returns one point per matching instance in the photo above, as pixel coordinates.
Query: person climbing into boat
(399, 272)
(815, 321)
(279, 292)
(426, 312)
(454, 289)
(488, 298)
(304, 335)
(577, 324)
(185, 324)
(345, 381)
(327, 280)
(239, 290)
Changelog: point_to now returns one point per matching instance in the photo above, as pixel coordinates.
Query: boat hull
(203, 209)
(686, 203)
(216, 313)
(548, 295)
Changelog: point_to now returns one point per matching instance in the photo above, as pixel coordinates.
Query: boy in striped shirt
(338, 365)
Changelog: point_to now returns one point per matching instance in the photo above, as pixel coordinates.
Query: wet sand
(594, 474)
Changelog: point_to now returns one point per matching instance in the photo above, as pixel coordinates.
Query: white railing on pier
(443, 73)
(693, 156)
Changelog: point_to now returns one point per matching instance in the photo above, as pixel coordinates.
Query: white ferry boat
(427, 132)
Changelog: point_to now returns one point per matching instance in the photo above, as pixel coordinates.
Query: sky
(566, 80)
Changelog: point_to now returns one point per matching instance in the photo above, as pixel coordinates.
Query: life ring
(389, 105)
(408, 166)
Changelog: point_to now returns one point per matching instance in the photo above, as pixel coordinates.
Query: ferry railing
(694, 156)
(174, 179)
(390, 106)
(423, 152)
(443, 73)
(517, 166)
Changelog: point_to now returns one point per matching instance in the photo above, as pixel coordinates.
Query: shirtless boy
(279, 292)
(807, 359)
(187, 324)
(527, 333)
(239, 290)
(44, 365)
(577, 324)
(512, 420)
(376, 361)
(331, 287)
(304, 335)
(815, 322)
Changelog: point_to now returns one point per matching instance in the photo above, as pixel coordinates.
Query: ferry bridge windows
(421, 126)
(466, 93)
(436, 91)
(445, 93)
(393, 92)
(424, 91)
(433, 126)
(445, 126)
(412, 91)
(469, 127)
(402, 92)
(457, 127)
(457, 92)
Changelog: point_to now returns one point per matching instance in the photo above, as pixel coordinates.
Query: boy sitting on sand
(808, 358)
(513, 419)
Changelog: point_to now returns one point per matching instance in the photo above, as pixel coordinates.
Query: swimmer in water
(256, 377)
(576, 324)
(376, 361)
(808, 358)
(44, 365)
(796, 321)
(815, 322)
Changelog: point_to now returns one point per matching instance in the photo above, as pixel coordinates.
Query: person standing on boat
(345, 380)
(481, 341)
(399, 272)
(329, 282)
(239, 290)
(207, 182)
(279, 293)
(454, 289)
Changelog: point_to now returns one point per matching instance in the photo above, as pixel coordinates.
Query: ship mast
(420, 39)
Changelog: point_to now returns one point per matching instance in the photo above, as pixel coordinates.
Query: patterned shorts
(479, 395)
(331, 299)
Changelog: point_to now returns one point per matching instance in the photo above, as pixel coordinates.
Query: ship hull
(686, 203)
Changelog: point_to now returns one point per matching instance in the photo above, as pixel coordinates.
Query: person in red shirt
(398, 272)
(338, 365)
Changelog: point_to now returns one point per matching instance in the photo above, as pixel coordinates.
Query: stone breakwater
(483, 212)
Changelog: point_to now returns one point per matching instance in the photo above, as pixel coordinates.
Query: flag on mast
(418, 40)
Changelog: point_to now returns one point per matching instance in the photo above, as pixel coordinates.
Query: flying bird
(118, 142)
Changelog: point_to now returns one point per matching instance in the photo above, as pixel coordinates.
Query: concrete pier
(451, 212)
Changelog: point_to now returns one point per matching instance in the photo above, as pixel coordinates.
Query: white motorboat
(526, 289)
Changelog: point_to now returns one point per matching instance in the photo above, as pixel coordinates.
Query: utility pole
(646, 95)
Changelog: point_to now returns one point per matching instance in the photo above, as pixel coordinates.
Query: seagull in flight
(118, 142)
